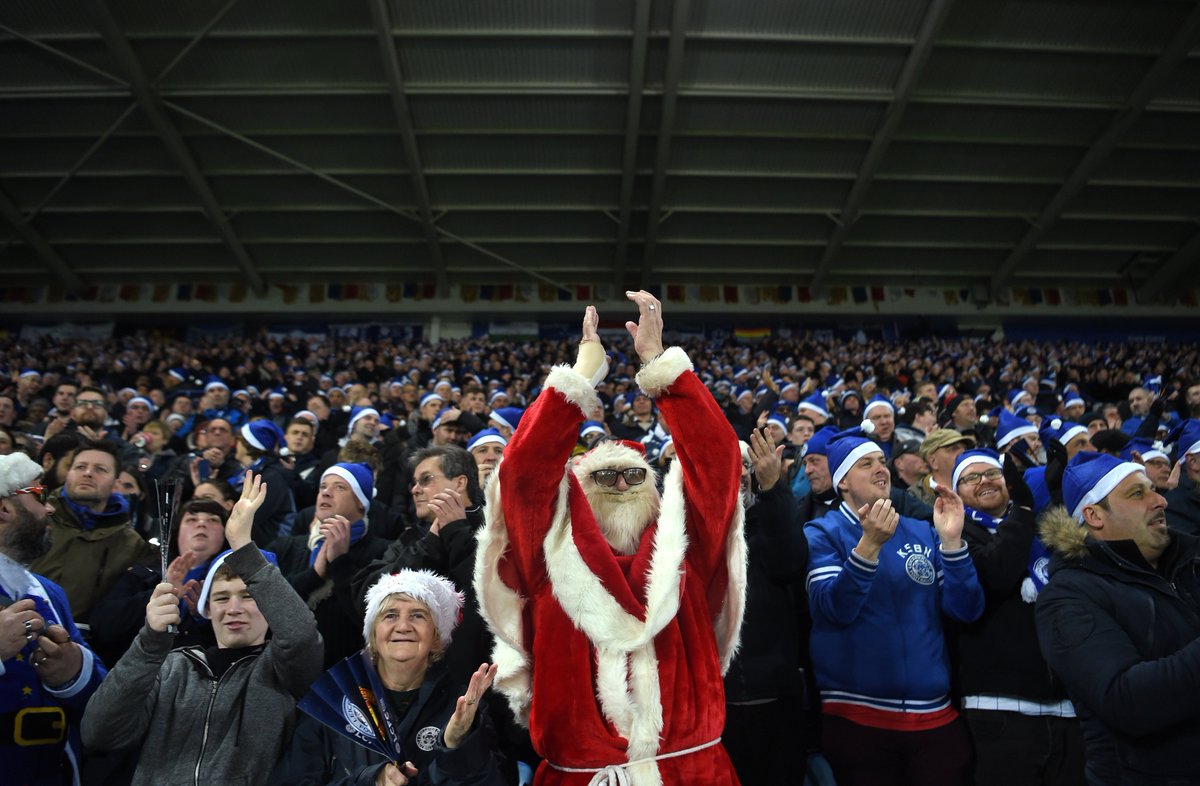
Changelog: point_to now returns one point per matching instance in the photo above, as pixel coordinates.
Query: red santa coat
(613, 659)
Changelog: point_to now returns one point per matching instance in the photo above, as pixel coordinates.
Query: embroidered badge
(428, 737)
(356, 721)
(1041, 569)
(917, 564)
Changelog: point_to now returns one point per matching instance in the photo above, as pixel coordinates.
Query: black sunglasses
(634, 476)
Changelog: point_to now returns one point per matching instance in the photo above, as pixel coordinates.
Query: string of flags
(698, 294)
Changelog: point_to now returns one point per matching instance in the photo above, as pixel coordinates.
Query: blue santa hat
(788, 388)
(510, 417)
(1153, 384)
(1072, 398)
(497, 393)
(590, 427)
(215, 382)
(431, 397)
(818, 443)
(276, 393)
(1144, 448)
(778, 420)
(262, 435)
(876, 402)
(1090, 477)
(1187, 436)
(847, 447)
(443, 417)
(1012, 427)
(489, 436)
(973, 456)
(1062, 430)
(358, 477)
(178, 374)
(218, 561)
(741, 393)
(142, 400)
(357, 414)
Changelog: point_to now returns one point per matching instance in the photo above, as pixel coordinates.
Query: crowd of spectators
(373, 457)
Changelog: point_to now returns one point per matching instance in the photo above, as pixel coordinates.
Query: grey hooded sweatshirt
(197, 729)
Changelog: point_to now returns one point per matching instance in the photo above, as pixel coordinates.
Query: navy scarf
(1037, 572)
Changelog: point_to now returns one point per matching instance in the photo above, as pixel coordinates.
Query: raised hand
(879, 521)
(241, 518)
(591, 362)
(178, 569)
(647, 331)
(163, 608)
(766, 458)
(335, 532)
(948, 514)
(1018, 490)
(464, 710)
(447, 506)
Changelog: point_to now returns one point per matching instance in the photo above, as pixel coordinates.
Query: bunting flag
(1188, 298)
(785, 293)
(237, 293)
(57, 293)
(606, 292)
(335, 291)
(1089, 297)
(1053, 297)
(526, 292)
(804, 294)
(547, 292)
(709, 293)
(564, 294)
(1035, 296)
(859, 294)
(750, 295)
(877, 294)
(675, 293)
(290, 293)
(410, 290)
(161, 293)
(752, 334)
(964, 296)
(485, 292)
(1121, 297)
(950, 296)
(471, 292)
(350, 292)
(692, 293)
(316, 293)
(583, 292)
(108, 293)
(504, 292)
(184, 293)
(1105, 297)
(730, 293)
(768, 294)
(427, 291)
(394, 293)
(837, 296)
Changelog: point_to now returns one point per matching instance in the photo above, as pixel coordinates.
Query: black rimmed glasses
(634, 476)
(975, 477)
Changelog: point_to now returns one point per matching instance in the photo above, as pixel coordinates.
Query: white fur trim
(728, 626)
(1072, 433)
(660, 373)
(17, 471)
(961, 468)
(438, 593)
(610, 455)
(573, 388)
(865, 449)
(1105, 486)
(1019, 431)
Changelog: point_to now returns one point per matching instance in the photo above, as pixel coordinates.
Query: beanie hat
(1090, 477)
(876, 402)
(818, 443)
(509, 417)
(360, 478)
(262, 435)
(17, 471)
(431, 397)
(488, 436)
(214, 383)
(357, 414)
(438, 593)
(974, 456)
(1145, 448)
(590, 427)
(847, 447)
(778, 420)
(815, 403)
(1062, 430)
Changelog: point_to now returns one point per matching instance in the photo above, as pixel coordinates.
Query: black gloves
(1018, 490)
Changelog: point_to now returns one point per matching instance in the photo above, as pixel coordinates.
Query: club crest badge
(356, 721)
(917, 563)
(1041, 569)
(428, 737)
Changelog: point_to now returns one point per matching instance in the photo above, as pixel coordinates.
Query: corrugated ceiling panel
(552, 258)
(437, 62)
(511, 16)
(754, 117)
(80, 227)
(1183, 87)
(136, 260)
(1166, 129)
(1129, 235)
(290, 260)
(779, 260)
(82, 117)
(1074, 267)
(874, 230)
(325, 153)
(1150, 167)
(591, 226)
(517, 191)
(767, 157)
(154, 17)
(107, 193)
(896, 21)
(484, 114)
(1140, 27)
(501, 154)
(43, 157)
(24, 67)
(1000, 163)
(49, 18)
(755, 194)
(254, 227)
(743, 227)
(1051, 77)
(302, 190)
(287, 62)
(1172, 204)
(956, 198)
(771, 65)
(1051, 126)
(259, 115)
(944, 267)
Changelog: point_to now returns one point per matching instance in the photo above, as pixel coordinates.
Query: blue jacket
(23, 694)
(877, 638)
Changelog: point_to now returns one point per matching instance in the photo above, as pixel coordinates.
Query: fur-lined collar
(1062, 533)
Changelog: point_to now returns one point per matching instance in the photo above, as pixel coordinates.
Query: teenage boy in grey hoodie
(223, 714)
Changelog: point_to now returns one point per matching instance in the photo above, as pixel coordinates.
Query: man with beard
(615, 610)
(47, 673)
(93, 542)
(1119, 623)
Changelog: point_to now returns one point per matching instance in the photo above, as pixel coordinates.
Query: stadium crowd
(945, 567)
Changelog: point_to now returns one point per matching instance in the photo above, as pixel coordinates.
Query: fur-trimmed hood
(1062, 533)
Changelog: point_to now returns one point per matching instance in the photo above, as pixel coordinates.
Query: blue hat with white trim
(489, 436)
(1012, 428)
(1090, 477)
(818, 443)
(847, 447)
(876, 402)
(1187, 436)
(360, 479)
(973, 456)
(815, 403)
(509, 417)
(262, 435)
(1144, 448)
(1062, 430)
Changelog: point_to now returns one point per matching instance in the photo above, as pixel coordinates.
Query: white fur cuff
(660, 373)
(574, 388)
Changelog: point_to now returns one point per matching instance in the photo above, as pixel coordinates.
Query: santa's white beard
(624, 515)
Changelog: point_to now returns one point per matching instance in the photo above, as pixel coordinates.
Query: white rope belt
(615, 774)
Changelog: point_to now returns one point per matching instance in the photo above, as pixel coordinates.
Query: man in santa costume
(616, 610)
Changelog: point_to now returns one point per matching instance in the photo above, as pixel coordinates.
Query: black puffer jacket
(1125, 639)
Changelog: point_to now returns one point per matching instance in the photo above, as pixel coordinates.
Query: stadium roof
(980, 143)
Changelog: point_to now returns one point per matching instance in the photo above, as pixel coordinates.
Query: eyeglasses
(87, 403)
(427, 478)
(215, 430)
(634, 476)
(40, 493)
(975, 477)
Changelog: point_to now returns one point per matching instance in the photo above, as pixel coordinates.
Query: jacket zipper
(212, 697)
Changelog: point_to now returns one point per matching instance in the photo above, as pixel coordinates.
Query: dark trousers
(1020, 750)
(866, 756)
(766, 742)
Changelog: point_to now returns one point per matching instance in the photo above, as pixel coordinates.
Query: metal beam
(662, 151)
(172, 139)
(914, 66)
(1187, 36)
(1171, 271)
(382, 18)
(633, 124)
(38, 245)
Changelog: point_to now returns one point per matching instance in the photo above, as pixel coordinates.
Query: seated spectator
(256, 449)
(225, 712)
(444, 729)
(92, 542)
